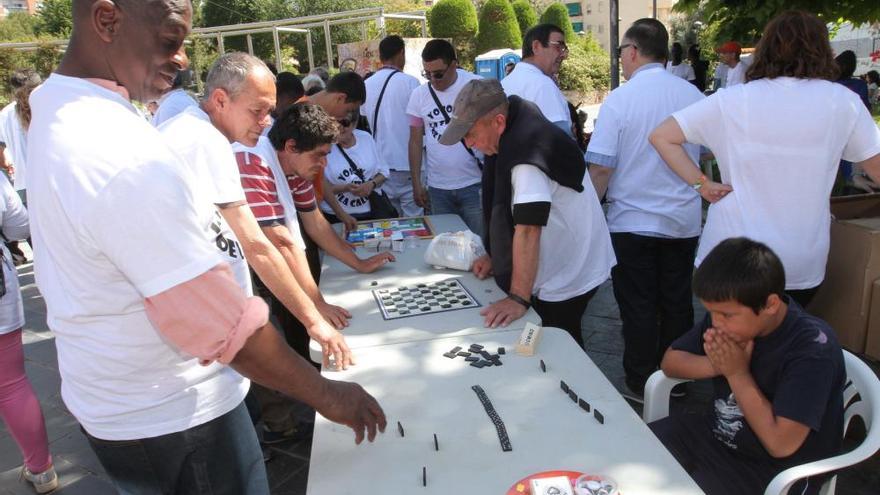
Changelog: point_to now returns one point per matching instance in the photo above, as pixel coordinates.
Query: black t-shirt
(799, 368)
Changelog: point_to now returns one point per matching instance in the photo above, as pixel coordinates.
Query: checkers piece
(494, 417)
(573, 396)
(544, 367)
(564, 386)
(463, 354)
(478, 347)
(598, 416)
(478, 363)
(436, 444)
(400, 428)
(472, 359)
(450, 355)
(501, 350)
(584, 405)
(455, 349)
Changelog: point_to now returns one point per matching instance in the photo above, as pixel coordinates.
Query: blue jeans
(464, 202)
(221, 456)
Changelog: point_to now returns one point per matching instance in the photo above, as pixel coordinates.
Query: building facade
(9, 6)
(592, 16)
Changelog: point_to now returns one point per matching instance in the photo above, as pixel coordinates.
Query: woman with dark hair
(847, 63)
(778, 140)
(873, 80)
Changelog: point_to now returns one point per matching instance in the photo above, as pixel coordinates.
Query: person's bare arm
(871, 166)
(320, 230)
(272, 269)
(600, 176)
(526, 247)
(683, 364)
(781, 436)
(269, 361)
(414, 148)
(668, 139)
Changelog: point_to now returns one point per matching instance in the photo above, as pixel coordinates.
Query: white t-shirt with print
(392, 136)
(114, 220)
(644, 195)
(778, 143)
(209, 155)
(576, 253)
(171, 104)
(14, 226)
(448, 167)
(529, 83)
(13, 134)
(365, 156)
(682, 70)
(736, 75)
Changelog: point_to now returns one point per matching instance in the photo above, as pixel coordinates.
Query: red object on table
(524, 486)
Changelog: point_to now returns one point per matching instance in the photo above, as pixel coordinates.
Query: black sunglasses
(621, 47)
(436, 74)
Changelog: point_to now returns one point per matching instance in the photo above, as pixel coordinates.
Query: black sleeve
(692, 341)
(536, 213)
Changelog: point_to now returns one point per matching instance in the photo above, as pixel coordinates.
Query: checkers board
(424, 299)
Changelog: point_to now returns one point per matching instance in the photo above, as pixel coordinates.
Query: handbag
(380, 205)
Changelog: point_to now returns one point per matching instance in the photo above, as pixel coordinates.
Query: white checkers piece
(424, 299)
(558, 485)
(528, 340)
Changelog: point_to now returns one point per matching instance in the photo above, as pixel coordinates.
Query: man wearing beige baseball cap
(545, 233)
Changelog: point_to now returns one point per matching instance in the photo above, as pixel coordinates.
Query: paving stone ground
(81, 474)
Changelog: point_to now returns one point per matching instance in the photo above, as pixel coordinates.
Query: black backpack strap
(379, 102)
(448, 119)
(351, 164)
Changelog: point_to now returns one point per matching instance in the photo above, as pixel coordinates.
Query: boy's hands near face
(728, 357)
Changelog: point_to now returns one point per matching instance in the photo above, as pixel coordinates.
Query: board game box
(386, 230)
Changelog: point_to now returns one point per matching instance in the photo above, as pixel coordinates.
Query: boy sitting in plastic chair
(778, 375)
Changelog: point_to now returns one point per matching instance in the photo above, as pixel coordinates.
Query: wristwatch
(522, 302)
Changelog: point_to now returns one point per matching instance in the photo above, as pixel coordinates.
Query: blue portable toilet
(491, 64)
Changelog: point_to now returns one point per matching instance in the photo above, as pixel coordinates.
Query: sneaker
(300, 431)
(43, 482)
(633, 392)
(678, 391)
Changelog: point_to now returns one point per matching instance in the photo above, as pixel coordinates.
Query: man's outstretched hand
(350, 405)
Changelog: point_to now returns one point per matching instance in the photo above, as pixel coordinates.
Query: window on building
(574, 8)
(589, 28)
(600, 7)
(589, 8)
(577, 26)
(601, 28)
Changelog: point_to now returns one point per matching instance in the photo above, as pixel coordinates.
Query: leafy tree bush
(498, 27)
(55, 18)
(587, 68)
(557, 14)
(456, 20)
(526, 16)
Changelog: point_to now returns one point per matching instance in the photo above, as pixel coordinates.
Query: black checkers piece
(463, 354)
(478, 363)
(584, 405)
(501, 351)
(543, 366)
(598, 416)
(436, 444)
(455, 349)
(564, 386)
(400, 428)
(450, 355)
(573, 396)
(424, 476)
(476, 348)
(472, 359)
(485, 354)
(494, 417)
(374, 283)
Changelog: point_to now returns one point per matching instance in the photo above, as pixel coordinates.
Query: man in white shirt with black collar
(543, 51)
(654, 220)
(453, 172)
(389, 89)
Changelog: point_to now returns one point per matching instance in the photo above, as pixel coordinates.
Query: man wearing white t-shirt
(729, 53)
(676, 64)
(545, 233)
(174, 101)
(390, 124)
(152, 330)
(543, 52)
(453, 174)
(654, 217)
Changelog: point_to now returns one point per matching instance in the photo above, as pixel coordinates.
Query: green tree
(498, 27)
(587, 68)
(743, 20)
(526, 16)
(19, 26)
(55, 18)
(456, 20)
(557, 14)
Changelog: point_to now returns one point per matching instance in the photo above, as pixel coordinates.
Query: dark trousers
(566, 315)
(652, 285)
(803, 296)
(221, 456)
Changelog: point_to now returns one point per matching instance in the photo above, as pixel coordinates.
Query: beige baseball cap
(475, 100)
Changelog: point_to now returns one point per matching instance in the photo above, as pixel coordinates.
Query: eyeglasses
(621, 47)
(436, 74)
(560, 45)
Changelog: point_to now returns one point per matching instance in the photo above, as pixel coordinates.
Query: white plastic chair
(861, 381)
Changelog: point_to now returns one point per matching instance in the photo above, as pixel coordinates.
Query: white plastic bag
(456, 250)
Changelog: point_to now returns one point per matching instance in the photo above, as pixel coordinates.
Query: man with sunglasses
(543, 50)
(654, 220)
(454, 172)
